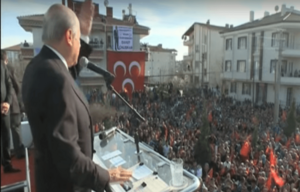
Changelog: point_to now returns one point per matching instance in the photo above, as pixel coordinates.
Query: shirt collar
(59, 55)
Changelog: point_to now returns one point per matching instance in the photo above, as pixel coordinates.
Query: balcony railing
(293, 47)
(188, 57)
(291, 51)
(96, 45)
(188, 42)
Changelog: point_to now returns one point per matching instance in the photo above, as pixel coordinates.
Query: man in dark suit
(6, 97)
(57, 110)
(16, 109)
(116, 36)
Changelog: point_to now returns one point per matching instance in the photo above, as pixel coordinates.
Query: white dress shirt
(83, 37)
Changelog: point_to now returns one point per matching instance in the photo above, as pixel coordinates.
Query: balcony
(292, 51)
(290, 81)
(188, 42)
(97, 54)
(227, 75)
(188, 57)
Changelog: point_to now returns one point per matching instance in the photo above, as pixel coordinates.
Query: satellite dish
(105, 3)
(276, 8)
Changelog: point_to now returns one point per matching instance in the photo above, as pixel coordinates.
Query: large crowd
(174, 124)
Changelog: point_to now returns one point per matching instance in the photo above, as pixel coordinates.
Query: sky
(168, 20)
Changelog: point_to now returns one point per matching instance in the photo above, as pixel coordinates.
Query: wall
(215, 56)
(160, 64)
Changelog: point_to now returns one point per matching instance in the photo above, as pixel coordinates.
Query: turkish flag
(129, 69)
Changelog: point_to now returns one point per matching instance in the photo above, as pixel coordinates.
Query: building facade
(161, 64)
(251, 53)
(101, 39)
(204, 59)
(16, 59)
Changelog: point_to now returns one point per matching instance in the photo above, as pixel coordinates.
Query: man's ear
(69, 37)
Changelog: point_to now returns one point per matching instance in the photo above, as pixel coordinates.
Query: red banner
(129, 69)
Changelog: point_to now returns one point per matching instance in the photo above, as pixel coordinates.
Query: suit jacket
(16, 106)
(6, 85)
(61, 127)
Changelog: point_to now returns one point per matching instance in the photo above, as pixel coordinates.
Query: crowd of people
(175, 122)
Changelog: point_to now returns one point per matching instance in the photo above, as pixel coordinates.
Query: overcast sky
(167, 19)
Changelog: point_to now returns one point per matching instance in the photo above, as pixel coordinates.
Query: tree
(291, 121)
(202, 148)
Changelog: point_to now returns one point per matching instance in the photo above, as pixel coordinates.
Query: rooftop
(98, 18)
(191, 29)
(13, 48)
(288, 17)
(159, 48)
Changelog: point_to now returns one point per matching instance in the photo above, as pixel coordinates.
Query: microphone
(103, 135)
(109, 78)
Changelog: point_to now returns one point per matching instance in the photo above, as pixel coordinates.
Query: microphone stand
(136, 135)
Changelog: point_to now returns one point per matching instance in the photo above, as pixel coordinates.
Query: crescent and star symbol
(127, 80)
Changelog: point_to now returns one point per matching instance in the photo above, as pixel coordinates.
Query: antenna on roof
(276, 8)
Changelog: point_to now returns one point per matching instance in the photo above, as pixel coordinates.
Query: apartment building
(251, 53)
(101, 38)
(205, 48)
(161, 64)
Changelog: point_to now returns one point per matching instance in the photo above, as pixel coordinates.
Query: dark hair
(3, 55)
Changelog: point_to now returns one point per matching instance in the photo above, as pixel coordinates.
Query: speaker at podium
(151, 171)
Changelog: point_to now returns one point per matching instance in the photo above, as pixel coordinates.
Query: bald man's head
(57, 21)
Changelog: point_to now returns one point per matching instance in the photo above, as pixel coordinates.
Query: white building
(101, 39)
(160, 67)
(204, 47)
(251, 49)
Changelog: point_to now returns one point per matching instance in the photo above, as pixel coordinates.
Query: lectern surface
(119, 149)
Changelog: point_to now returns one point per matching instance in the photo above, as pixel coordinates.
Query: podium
(119, 149)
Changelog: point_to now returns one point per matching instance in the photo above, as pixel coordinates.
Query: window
(255, 43)
(205, 71)
(284, 68)
(227, 66)
(205, 39)
(197, 48)
(242, 43)
(273, 66)
(290, 69)
(275, 39)
(233, 87)
(246, 89)
(241, 66)
(228, 44)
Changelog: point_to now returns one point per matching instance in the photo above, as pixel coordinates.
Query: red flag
(272, 158)
(210, 117)
(171, 140)
(288, 143)
(210, 173)
(245, 149)
(278, 180)
(297, 139)
(129, 69)
(269, 182)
